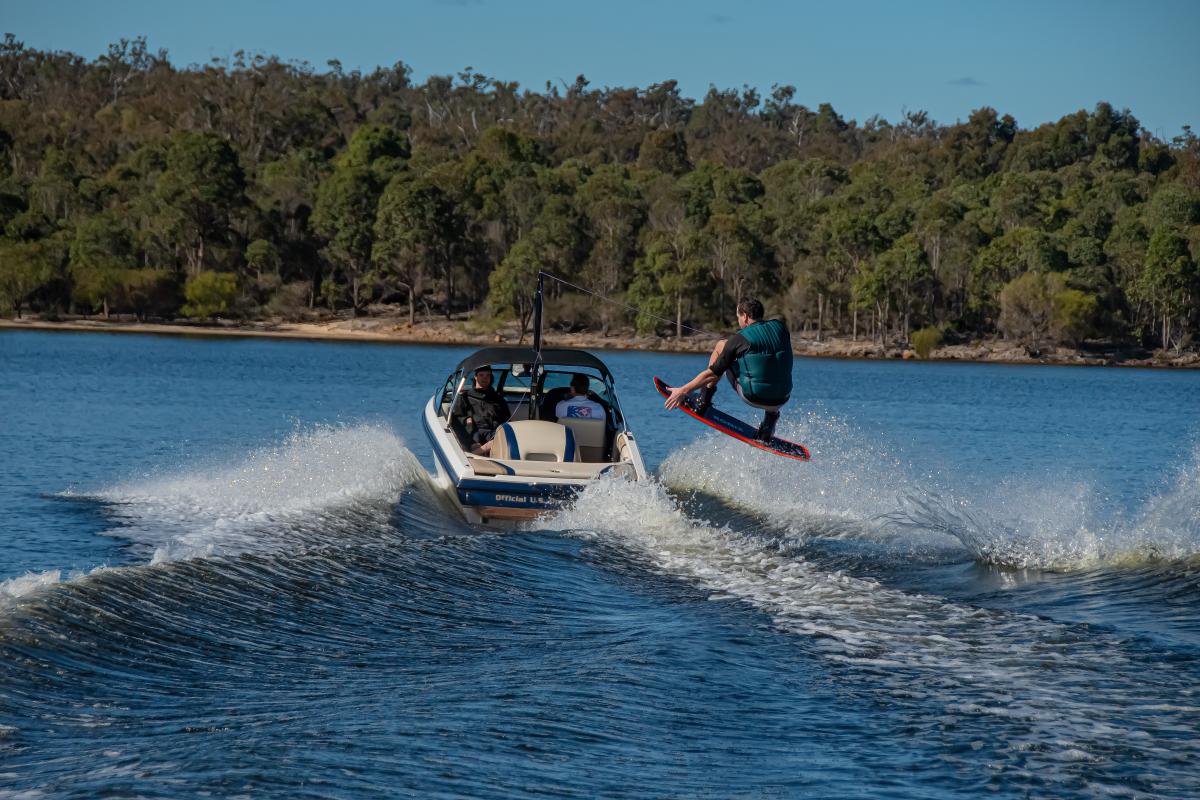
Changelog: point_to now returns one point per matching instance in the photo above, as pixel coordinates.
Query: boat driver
(479, 413)
(758, 362)
(577, 404)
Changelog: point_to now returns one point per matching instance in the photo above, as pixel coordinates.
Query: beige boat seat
(534, 440)
(589, 435)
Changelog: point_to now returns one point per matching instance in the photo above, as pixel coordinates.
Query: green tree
(54, 192)
(614, 211)
(209, 294)
(869, 291)
(1004, 259)
(1027, 308)
(1173, 205)
(198, 191)
(664, 278)
(100, 255)
(909, 278)
(509, 284)
(285, 195)
(345, 216)
(664, 150)
(553, 244)
(670, 273)
(848, 238)
(24, 268)
(1074, 315)
(1170, 282)
(925, 341)
(262, 257)
(416, 231)
(149, 292)
(380, 148)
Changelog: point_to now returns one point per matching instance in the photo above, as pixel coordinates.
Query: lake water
(226, 573)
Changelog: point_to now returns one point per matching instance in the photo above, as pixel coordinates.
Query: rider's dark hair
(751, 308)
(580, 383)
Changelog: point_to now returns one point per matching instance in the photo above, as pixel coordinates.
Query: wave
(645, 521)
(314, 486)
(1020, 672)
(1060, 527)
(855, 489)
(844, 493)
(32, 582)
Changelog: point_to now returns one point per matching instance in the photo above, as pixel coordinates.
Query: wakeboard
(732, 426)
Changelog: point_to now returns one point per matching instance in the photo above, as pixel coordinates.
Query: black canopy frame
(549, 356)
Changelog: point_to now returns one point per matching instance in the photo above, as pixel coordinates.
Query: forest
(254, 188)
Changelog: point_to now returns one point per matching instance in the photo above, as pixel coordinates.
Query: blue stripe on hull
(496, 494)
(475, 498)
(533, 493)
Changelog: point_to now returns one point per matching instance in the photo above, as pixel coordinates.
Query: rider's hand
(675, 398)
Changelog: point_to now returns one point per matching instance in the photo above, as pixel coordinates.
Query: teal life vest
(765, 372)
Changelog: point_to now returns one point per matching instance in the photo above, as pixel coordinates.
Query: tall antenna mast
(537, 317)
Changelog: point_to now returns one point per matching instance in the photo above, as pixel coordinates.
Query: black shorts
(482, 436)
(732, 374)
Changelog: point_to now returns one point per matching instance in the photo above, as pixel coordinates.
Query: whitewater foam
(844, 493)
(266, 499)
(855, 489)
(1021, 524)
(32, 582)
(302, 491)
(969, 661)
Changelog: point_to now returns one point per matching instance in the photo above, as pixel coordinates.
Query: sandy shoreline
(397, 331)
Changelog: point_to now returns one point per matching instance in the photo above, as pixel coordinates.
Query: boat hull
(499, 498)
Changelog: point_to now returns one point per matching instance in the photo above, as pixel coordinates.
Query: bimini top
(558, 356)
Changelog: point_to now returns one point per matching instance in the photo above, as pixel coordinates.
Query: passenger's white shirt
(579, 408)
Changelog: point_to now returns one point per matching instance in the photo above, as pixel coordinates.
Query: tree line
(250, 187)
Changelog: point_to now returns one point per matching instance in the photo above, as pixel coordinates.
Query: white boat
(537, 463)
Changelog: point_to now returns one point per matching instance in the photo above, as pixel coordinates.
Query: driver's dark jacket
(486, 410)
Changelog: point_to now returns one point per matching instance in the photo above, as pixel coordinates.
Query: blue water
(227, 573)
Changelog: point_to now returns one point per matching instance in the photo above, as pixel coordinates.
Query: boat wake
(308, 490)
(859, 490)
(1001, 679)
(1059, 528)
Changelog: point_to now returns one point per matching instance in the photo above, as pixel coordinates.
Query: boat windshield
(559, 378)
(515, 384)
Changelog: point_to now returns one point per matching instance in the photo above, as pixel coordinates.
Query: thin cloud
(719, 19)
(967, 81)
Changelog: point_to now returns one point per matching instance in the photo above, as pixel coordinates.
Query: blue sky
(1034, 60)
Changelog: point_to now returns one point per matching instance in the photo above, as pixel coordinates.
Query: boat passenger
(478, 413)
(577, 404)
(758, 362)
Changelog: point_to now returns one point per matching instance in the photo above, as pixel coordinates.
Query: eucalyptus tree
(669, 273)
(1170, 283)
(347, 202)
(345, 217)
(101, 254)
(200, 188)
(614, 210)
(24, 268)
(1006, 258)
(554, 243)
(417, 231)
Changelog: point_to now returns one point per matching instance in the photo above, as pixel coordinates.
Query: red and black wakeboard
(732, 426)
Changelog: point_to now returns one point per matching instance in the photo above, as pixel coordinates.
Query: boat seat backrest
(534, 440)
(589, 435)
